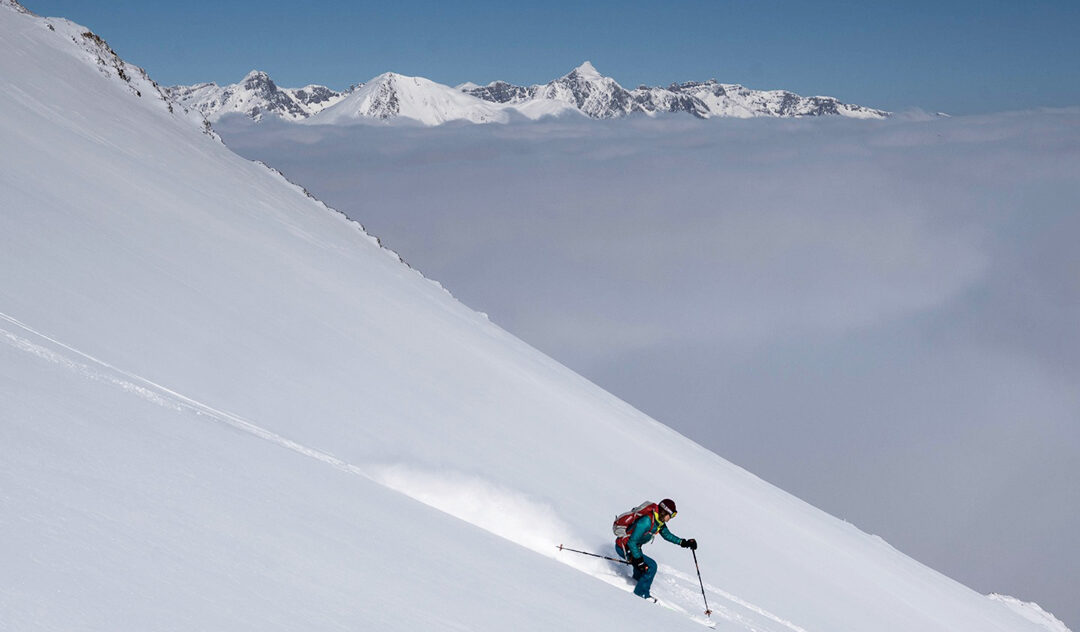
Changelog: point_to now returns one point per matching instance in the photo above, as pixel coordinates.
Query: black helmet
(667, 506)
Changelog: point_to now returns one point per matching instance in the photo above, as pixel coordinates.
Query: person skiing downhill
(650, 519)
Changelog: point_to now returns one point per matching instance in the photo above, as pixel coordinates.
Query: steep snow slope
(221, 402)
(1032, 612)
(123, 512)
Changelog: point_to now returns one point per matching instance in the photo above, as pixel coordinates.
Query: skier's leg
(622, 553)
(644, 584)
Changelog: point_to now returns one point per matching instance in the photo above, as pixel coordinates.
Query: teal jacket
(642, 532)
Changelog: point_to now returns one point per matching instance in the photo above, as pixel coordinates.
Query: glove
(689, 544)
(639, 564)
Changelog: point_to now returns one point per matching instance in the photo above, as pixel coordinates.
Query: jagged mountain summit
(583, 91)
(593, 94)
(255, 96)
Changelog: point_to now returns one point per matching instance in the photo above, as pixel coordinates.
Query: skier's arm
(637, 536)
(669, 536)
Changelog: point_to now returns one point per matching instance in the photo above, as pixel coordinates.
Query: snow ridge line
(158, 394)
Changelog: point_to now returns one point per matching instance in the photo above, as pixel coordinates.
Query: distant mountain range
(581, 92)
(255, 96)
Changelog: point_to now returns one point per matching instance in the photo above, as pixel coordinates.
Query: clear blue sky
(959, 57)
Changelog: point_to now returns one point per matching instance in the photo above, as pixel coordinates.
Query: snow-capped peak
(587, 71)
(255, 96)
(392, 95)
(595, 95)
(257, 76)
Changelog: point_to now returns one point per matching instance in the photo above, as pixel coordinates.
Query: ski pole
(565, 548)
(707, 611)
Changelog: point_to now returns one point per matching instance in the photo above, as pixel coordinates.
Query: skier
(641, 524)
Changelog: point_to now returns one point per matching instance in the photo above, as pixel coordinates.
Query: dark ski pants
(644, 580)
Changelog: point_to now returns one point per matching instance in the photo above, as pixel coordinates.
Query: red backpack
(621, 526)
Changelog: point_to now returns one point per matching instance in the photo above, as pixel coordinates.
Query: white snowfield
(224, 406)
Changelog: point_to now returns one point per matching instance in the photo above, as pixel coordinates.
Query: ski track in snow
(677, 588)
(156, 393)
(748, 622)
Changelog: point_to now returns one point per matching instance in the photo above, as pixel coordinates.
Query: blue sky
(958, 57)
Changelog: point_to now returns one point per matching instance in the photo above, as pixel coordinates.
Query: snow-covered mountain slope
(394, 96)
(734, 100)
(255, 96)
(592, 93)
(602, 97)
(224, 406)
(1032, 612)
(499, 92)
(89, 47)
